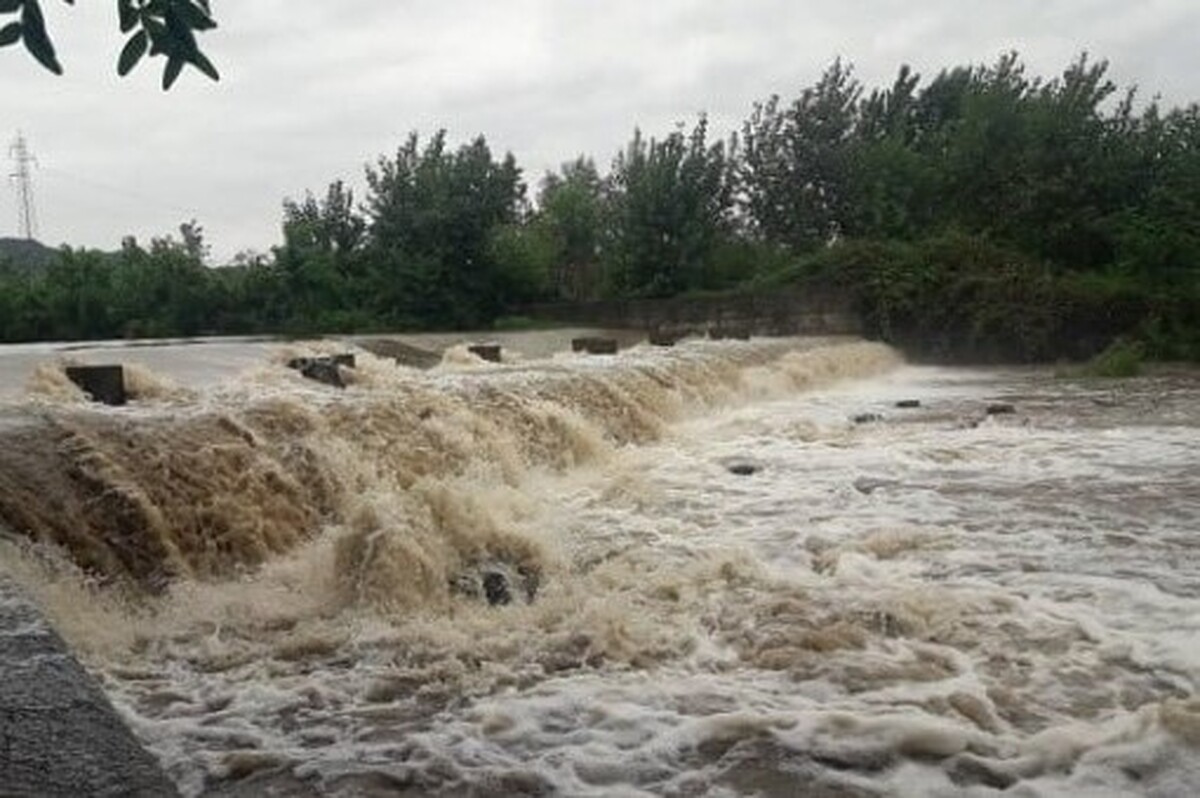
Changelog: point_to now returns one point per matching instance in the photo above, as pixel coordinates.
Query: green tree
(573, 214)
(524, 255)
(795, 162)
(165, 28)
(331, 224)
(891, 181)
(431, 213)
(322, 260)
(671, 203)
(1157, 238)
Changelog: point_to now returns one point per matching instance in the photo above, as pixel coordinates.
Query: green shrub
(951, 297)
(1122, 358)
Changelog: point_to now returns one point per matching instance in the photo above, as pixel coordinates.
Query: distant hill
(24, 255)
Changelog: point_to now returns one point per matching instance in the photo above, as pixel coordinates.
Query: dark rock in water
(105, 384)
(498, 583)
(908, 404)
(495, 589)
(743, 469)
(867, 418)
(595, 346)
(326, 370)
(659, 338)
(868, 485)
(967, 770)
(1001, 409)
(488, 352)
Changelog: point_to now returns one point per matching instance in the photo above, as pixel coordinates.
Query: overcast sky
(314, 89)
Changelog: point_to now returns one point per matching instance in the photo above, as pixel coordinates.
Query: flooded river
(720, 569)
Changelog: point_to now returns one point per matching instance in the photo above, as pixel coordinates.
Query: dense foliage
(983, 213)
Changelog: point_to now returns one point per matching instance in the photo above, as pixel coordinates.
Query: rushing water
(286, 582)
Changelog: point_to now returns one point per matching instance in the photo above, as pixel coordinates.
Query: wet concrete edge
(59, 734)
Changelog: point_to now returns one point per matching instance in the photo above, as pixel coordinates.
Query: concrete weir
(59, 735)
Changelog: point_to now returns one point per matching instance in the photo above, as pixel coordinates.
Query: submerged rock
(497, 583)
(495, 588)
(660, 338)
(742, 466)
(1001, 409)
(908, 404)
(325, 370)
(867, 418)
(968, 770)
(489, 352)
(594, 346)
(868, 485)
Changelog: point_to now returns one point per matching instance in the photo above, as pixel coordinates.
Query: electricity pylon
(23, 179)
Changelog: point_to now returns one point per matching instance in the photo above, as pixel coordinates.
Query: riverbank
(59, 735)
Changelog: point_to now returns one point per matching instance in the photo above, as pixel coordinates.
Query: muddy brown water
(266, 573)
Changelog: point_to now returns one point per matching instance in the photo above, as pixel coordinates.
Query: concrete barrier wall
(779, 313)
(59, 735)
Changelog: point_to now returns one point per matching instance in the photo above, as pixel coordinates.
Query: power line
(141, 199)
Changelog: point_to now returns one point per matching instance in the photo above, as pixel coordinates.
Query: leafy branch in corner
(158, 27)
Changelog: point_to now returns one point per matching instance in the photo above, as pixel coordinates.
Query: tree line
(984, 211)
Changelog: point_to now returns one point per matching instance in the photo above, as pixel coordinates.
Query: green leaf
(194, 17)
(41, 49)
(9, 6)
(202, 63)
(171, 73)
(158, 35)
(133, 51)
(128, 14)
(35, 38)
(181, 39)
(10, 34)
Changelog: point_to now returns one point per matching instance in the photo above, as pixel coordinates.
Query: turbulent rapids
(204, 489)
(284, 587)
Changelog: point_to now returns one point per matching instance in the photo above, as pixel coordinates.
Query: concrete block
(104, 384)
(659, 338)
(595, 346)
(488, 352)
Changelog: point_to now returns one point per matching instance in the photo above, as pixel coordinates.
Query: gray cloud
(313, 90)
